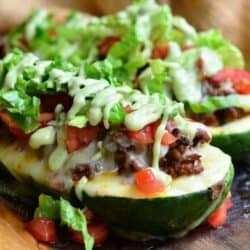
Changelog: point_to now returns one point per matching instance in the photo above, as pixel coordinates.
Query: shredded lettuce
(24, 78)
(117, 115)
(213, 39)
(63, 211)
(213, 103)
(74, 44)
(185, 79)
(79, 121)
(23, 109)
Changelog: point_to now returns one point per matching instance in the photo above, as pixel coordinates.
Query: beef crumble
(181, 159)
(130, 156)
(89, 170)
(126, 152)
(220, 117)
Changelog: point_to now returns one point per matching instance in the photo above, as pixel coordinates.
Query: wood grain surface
(13, 235)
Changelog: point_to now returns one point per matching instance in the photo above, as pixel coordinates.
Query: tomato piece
(147, 182)
(14, 129)
(79, 137)
(52, 33)
(45, 118)
(23, 41)
(49, 102)
(239, 78)
(219, 217)
(98, 231)
(143, 136)
(147, 135)
(76, 236)
(168, 139)
(89, 215)
(160, 52)
(244, 87)
(154, 127)
(187, 47)
(106, 45)
(43, 229)
(128, 109)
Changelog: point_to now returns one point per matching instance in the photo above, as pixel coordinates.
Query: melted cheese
(216, 165)
(27, 164)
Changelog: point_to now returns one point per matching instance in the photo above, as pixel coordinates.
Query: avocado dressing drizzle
(94, 99)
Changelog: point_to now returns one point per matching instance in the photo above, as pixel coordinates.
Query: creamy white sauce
(212, 62)
(57, 158)
(42, 137)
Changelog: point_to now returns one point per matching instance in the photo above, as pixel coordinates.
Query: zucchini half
(233, 138)
(187, 202)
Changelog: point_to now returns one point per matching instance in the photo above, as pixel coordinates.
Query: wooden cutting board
(13, 235)
(234, 235)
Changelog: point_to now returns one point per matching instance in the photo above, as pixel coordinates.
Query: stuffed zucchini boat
(130, 157)
(146, 47)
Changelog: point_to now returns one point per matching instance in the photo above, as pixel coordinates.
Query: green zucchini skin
(237, 145)
(160, 218)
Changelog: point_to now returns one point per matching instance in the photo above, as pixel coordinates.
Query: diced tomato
(45, 118)
(43, 229)
(15, 130)
(147, 182)
(52, 34)
(187, 47)
(89, 215)
(168, 139)
(128, 109)
(160, 52)
(49, 102)
(154, 127)
(239, 78)
(143, 136)
(106, 45)
(24, 42)
(79, 137)
(219, 217)
(98, 231)
(147, 135)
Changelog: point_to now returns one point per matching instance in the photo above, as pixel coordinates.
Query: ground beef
(181, 159)
(201, 137)
(81, 170)
(130, 156)
(125, 152)
(222, 89)
(208, 119)
(89, 170)
(230, 114)
(220, 117)
(125, 161)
